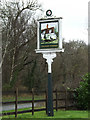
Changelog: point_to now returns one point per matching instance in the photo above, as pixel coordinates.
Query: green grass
(58, 114)
(18, 110)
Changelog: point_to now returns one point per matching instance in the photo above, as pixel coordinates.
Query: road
(12, 106)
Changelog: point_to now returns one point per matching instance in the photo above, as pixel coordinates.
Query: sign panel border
(48, 49)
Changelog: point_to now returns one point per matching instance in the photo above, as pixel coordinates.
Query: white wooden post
(49, 57)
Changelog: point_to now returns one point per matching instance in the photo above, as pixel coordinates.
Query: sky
(75, 17)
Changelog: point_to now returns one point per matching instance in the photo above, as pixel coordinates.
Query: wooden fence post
(16, 101)
(46, 101)
(56, 101)
(32, 101)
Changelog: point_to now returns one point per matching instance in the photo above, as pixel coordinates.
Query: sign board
(49, 41)
(49, 35)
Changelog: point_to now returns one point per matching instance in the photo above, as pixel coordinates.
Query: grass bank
(58, 114)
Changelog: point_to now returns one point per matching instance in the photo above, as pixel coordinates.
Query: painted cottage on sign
(48, 34)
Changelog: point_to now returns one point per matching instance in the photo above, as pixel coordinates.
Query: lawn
(58, 114)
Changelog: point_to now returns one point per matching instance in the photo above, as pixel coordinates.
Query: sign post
(49, 57)
(49, 41)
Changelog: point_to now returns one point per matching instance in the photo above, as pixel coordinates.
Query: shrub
(83, 93)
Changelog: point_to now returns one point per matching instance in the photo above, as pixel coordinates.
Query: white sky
(75, 17)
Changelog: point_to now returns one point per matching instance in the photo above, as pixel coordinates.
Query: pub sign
(49, 34)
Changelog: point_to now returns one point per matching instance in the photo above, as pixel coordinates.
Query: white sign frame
(49, 50)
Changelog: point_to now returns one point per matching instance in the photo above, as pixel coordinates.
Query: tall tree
(19, 31)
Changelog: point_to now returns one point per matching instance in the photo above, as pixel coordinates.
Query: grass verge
(57, 114)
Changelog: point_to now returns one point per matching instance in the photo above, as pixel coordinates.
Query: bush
(83, 93)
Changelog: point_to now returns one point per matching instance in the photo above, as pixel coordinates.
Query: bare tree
(71, 65)
(19, 28)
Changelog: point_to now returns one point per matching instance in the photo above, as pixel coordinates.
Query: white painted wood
(38, 44)
(49, 59)
(60, 33)
(59, 20)
(49, 50)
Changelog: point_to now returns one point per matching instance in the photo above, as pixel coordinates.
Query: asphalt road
(12, 106)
